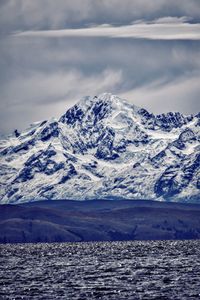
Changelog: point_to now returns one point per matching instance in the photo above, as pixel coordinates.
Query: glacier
(103, 148)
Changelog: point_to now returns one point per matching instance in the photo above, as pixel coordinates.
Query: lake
(101, 270)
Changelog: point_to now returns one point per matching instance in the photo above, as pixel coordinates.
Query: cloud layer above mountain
(54, 52)
(161, 29)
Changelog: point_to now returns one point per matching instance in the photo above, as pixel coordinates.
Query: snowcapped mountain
(103, 147)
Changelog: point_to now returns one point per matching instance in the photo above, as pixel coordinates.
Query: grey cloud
(172, 20)
(58, 90)
(140, 61)
(40, 88)
(48, 14)
(183, 95)
(41, 77)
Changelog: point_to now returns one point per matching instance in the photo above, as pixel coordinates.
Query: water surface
(103, 270)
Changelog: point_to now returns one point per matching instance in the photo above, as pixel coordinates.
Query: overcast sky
(52, 53)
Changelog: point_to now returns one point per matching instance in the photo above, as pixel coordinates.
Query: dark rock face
(24, 175)
(49, 131)
(79, 146)
(147, 118)
(171, 120)
(40, 155)
(164, 121)
(187, 135)
(12, 191)
(167, 185)
(90, 166)
(176, 178)
(144, 113)
(71, 172)
(198, 183)
(23, 147)
(39, 163)
(43, 123)
(72, 116)
(16, 132)
(178, 144)
(120, 147)
(105, 146)
(100, 110)
(47, 192)
(191, 168)
(157, 159)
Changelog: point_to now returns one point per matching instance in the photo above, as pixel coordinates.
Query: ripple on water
(101, 270)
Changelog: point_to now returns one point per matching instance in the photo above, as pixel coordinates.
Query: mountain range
(103, 148)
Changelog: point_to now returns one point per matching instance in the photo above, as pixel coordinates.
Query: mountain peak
(98, 108)
(103, 146)
(109, 98)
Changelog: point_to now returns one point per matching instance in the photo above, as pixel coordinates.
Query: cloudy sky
(52, 53)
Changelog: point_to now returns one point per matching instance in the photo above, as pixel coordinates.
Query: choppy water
(103, 270)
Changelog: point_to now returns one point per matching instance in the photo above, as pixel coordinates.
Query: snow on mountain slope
(103, 147)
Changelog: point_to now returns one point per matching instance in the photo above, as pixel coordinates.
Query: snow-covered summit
(101, 147)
